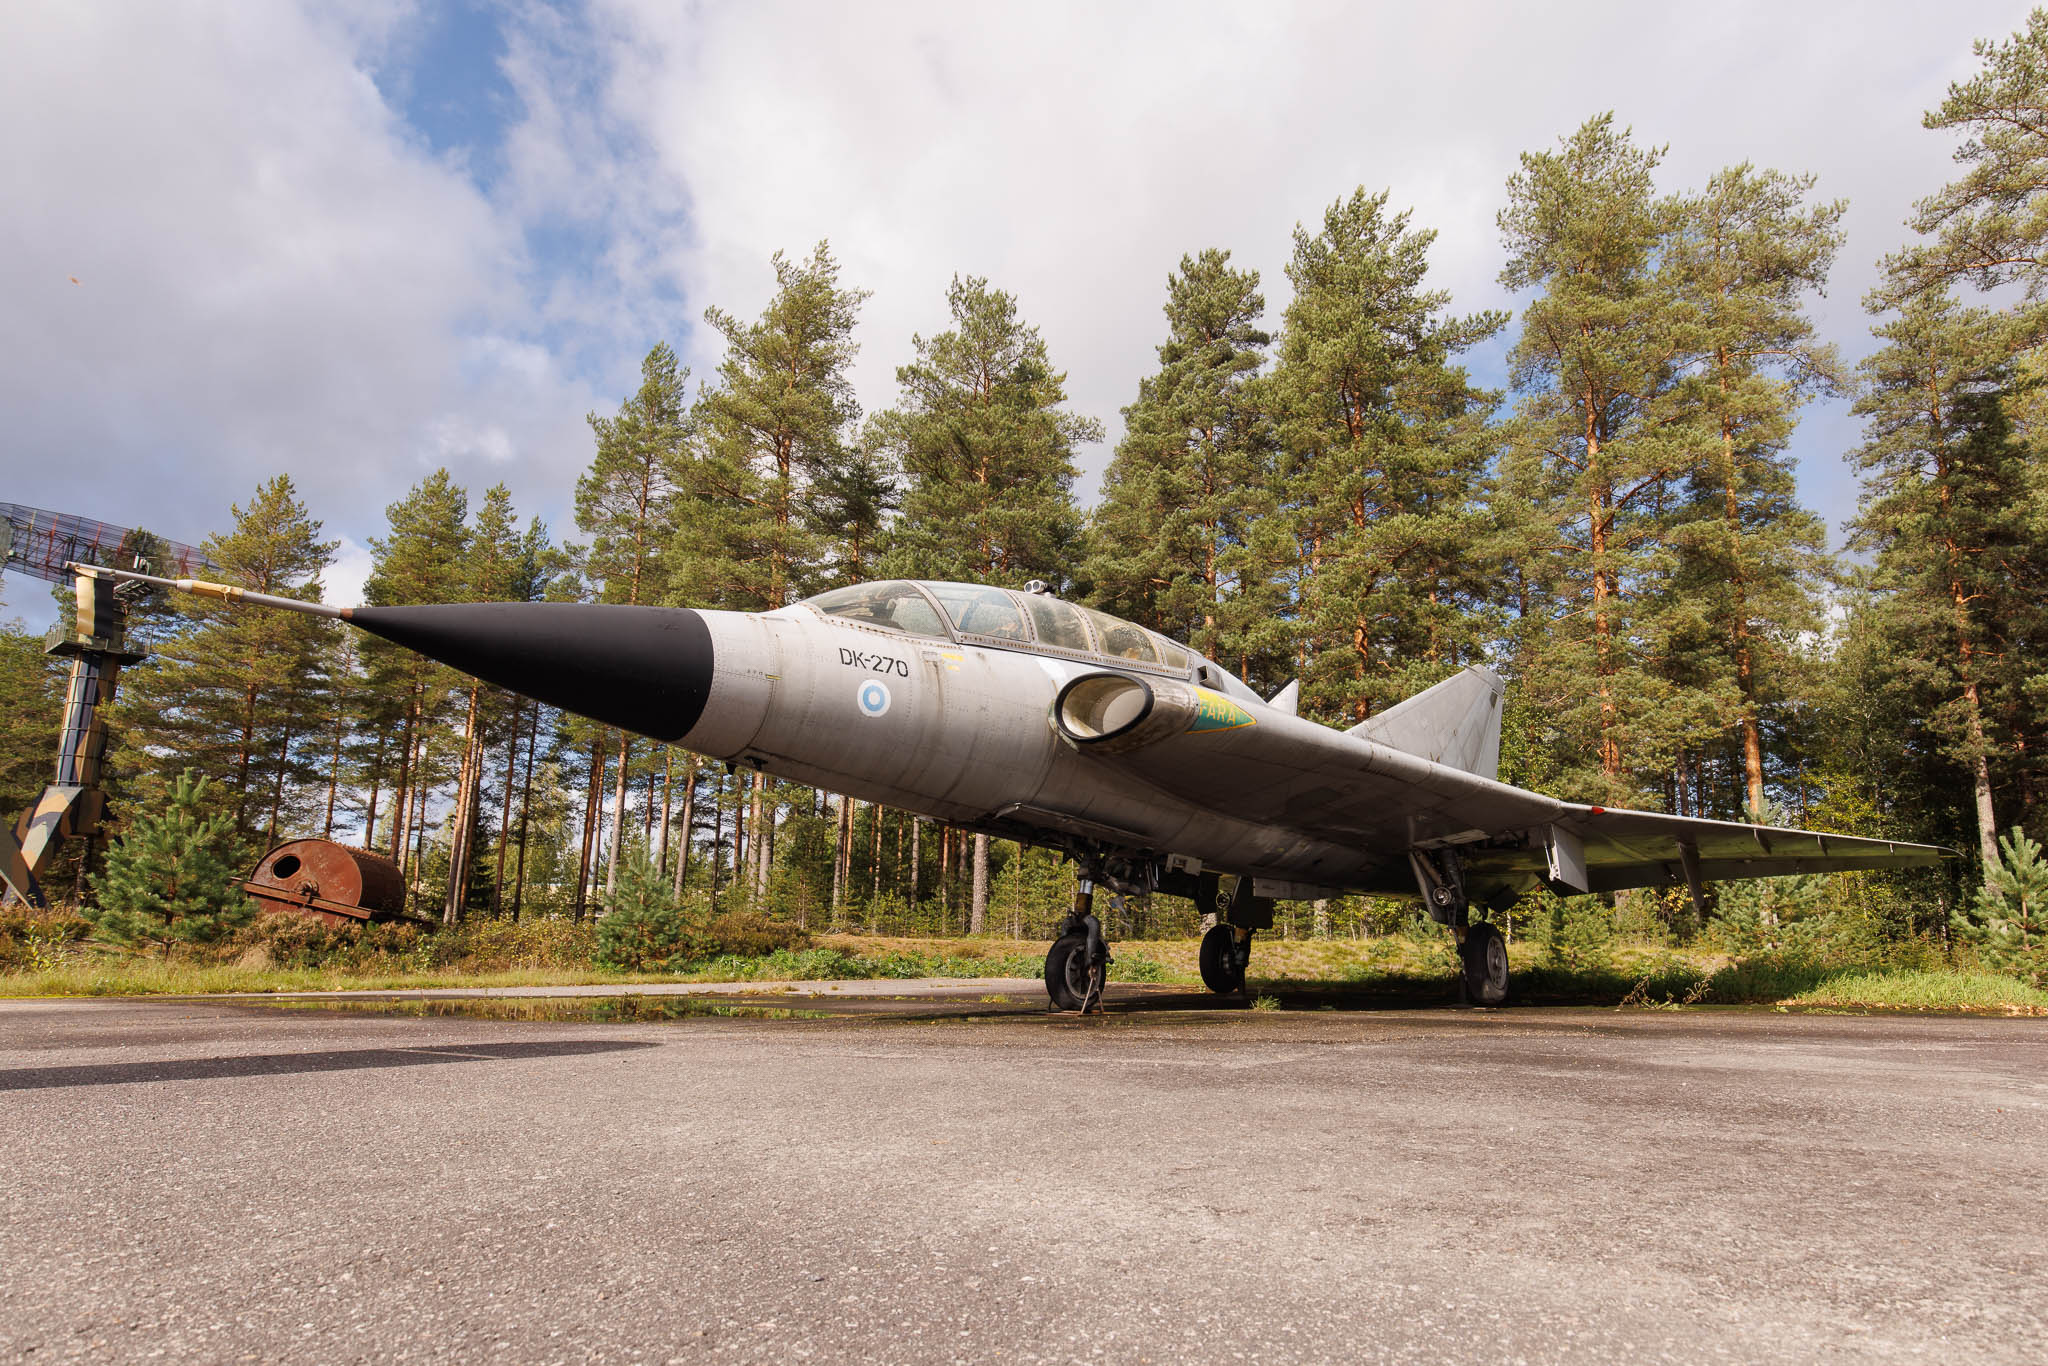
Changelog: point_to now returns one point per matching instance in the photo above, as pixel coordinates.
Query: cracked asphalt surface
(204, 1181)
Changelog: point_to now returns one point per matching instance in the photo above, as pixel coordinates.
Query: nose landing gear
(1077, 965)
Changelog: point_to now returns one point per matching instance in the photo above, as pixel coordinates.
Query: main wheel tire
(1066, 971)
(1222, 968)
(1485, 956)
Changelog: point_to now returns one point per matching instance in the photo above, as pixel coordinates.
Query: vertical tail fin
(1457, 723)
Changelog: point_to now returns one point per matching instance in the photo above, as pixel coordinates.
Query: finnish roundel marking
(873, 698)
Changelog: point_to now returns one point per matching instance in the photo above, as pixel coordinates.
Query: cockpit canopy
(1001, 616)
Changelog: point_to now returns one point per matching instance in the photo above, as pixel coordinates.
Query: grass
(1393, 969)
(1908, 990)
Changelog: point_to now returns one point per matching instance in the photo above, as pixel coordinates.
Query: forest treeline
(1323, 494)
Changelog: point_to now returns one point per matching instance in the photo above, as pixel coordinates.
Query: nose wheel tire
(1485, 957)
(1224, 960)
(1068, 980)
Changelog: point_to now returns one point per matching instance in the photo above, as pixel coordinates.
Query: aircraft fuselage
(963, 731)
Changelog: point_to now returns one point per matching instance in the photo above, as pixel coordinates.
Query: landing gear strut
(1482, 953)
(1077, 965)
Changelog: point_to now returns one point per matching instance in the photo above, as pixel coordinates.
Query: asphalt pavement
(937, 1177)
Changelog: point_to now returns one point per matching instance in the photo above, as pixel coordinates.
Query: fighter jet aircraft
(1020, 715)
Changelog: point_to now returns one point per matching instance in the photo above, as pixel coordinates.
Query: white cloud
(343, 582)
(276, 274)
(1073, 152)
(273, 275)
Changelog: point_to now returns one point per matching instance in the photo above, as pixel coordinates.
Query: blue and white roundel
(873, 698)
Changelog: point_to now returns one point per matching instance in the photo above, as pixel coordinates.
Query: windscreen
(891, 605)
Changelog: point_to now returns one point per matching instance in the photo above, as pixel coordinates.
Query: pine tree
(238, 696)
(987, 446)
(494, 561)
(776, 428)
(1966, 563)
(1387, 448)
(1595, 446)
(31, 711)
(1745, 253)
(538, 565)
(849, 510)
(647, 928)
(625, 500)
(2008, 922)
(1990, 227)
(421, 560)
(626, 504)
(1945, 514)
(1170, 539)
(173, 877)
(784, 491)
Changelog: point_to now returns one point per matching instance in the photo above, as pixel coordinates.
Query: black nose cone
(645, 669)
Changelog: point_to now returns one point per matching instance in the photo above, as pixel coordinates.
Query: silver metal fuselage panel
(962, 732)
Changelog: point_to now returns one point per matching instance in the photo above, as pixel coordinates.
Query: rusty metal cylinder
(327, 880)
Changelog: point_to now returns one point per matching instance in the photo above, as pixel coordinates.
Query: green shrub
(1578, 932)
(540, 942)
(174, 878)
(35, 941)
(290, 940)
(806, 965)
(1136, 967)
(748, 936)
(2006, 926)
(647, 928)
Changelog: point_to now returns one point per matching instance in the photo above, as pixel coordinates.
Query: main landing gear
(1482, 953)
(1483, 957)
(1226, 953)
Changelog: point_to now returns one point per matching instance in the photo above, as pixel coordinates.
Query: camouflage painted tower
(93, 635)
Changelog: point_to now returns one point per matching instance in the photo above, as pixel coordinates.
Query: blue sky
(357, 242)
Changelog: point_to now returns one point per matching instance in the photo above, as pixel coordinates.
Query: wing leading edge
(1602, 849)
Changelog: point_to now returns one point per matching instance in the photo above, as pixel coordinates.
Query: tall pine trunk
(611, 875)
(668, 764)
(763, 845)
(842, 853)
(916, 857)
(505, 811)
(977, 913)
(738, 880)
(596, 783)
(689, 828)
(717, 835)
(461, 834)
(1966, 652)
(1599, 500)
(525, 811)
(1738, 582)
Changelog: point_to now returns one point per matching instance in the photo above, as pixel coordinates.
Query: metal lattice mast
(58, 547)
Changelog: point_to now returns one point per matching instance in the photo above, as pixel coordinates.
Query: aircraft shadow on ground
(288, 1064)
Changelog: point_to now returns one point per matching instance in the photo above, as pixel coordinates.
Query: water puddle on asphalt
(571, 1009)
